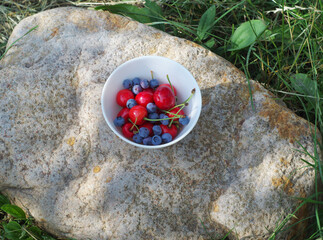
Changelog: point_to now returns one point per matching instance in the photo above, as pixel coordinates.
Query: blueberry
(144, 83)
(154, 83)
(151, 107)
(156, 140)
(136, 81)
(157, 130)
(143, 132)
(119, 121)
(136, 89)
(131, 103)
(127, 83)
(153, 115)
(147, 141)
(164, 122)
(166, 137)
(137, 138)
(184, 121)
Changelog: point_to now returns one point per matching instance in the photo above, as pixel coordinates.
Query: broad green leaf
(12, 230)
(156, 14)
(150, 13)
(246, 34)
(267, 36)
(14, 211)
(139, 14)
(102, 7)
(206, 23)
(3, 200)
(303, 84)
(210, 43)
(154, 7)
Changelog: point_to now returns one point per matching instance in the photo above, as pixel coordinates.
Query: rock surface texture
(238, 169)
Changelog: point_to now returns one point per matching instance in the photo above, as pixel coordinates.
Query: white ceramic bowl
(140, 67)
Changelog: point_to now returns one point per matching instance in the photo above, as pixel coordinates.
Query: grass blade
(11, 45)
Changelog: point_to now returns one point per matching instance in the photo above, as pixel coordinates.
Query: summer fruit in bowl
(143, 98)
(174, 112)
(146, 114)
(168, 85)
(127, 130)
(164, 97)
(171, 130)
(123, 96)
(137, 114)
(163, 123)
(124, 112)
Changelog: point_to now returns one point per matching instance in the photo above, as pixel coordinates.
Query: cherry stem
(170, 124)
(170, 84)
(152, 75)
(134, 125)
(161, 119)
(175, 114)
(185, 102)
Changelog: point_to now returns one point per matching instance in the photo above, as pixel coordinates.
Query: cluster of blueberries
(137, 85)
(157, 139)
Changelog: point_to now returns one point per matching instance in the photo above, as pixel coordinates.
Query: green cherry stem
(134, 125)
(175, 114)
(152, 74)
(170, 84)
(185, 102)
(171, 122)
(161, 119)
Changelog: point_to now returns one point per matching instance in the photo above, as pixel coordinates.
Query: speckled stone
(237, 169)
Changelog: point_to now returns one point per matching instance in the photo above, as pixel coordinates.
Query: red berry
(123, 96)
(148, 90)
(172, 130)
(149, 126)
(168, 85)
(124, 112)
(164, 97)
(126, 130)
(143, 98)
(175, 111)
(137, 114)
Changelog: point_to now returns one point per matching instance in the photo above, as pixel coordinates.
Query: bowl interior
(141, 67)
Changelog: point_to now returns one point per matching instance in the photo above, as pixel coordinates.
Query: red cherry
(148, 90)
(164, 98)
(126, 130)
(143, 98)
(137, 114)
(175, 111)
(172, 130)
(123, 96)
(168, 85)
(124, 112)
(149, 126)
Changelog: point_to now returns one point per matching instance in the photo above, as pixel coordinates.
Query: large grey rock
(238, 168)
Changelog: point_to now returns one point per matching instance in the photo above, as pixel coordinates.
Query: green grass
(286, 57)
(15, 224)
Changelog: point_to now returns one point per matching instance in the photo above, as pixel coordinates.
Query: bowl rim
(198, 112)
